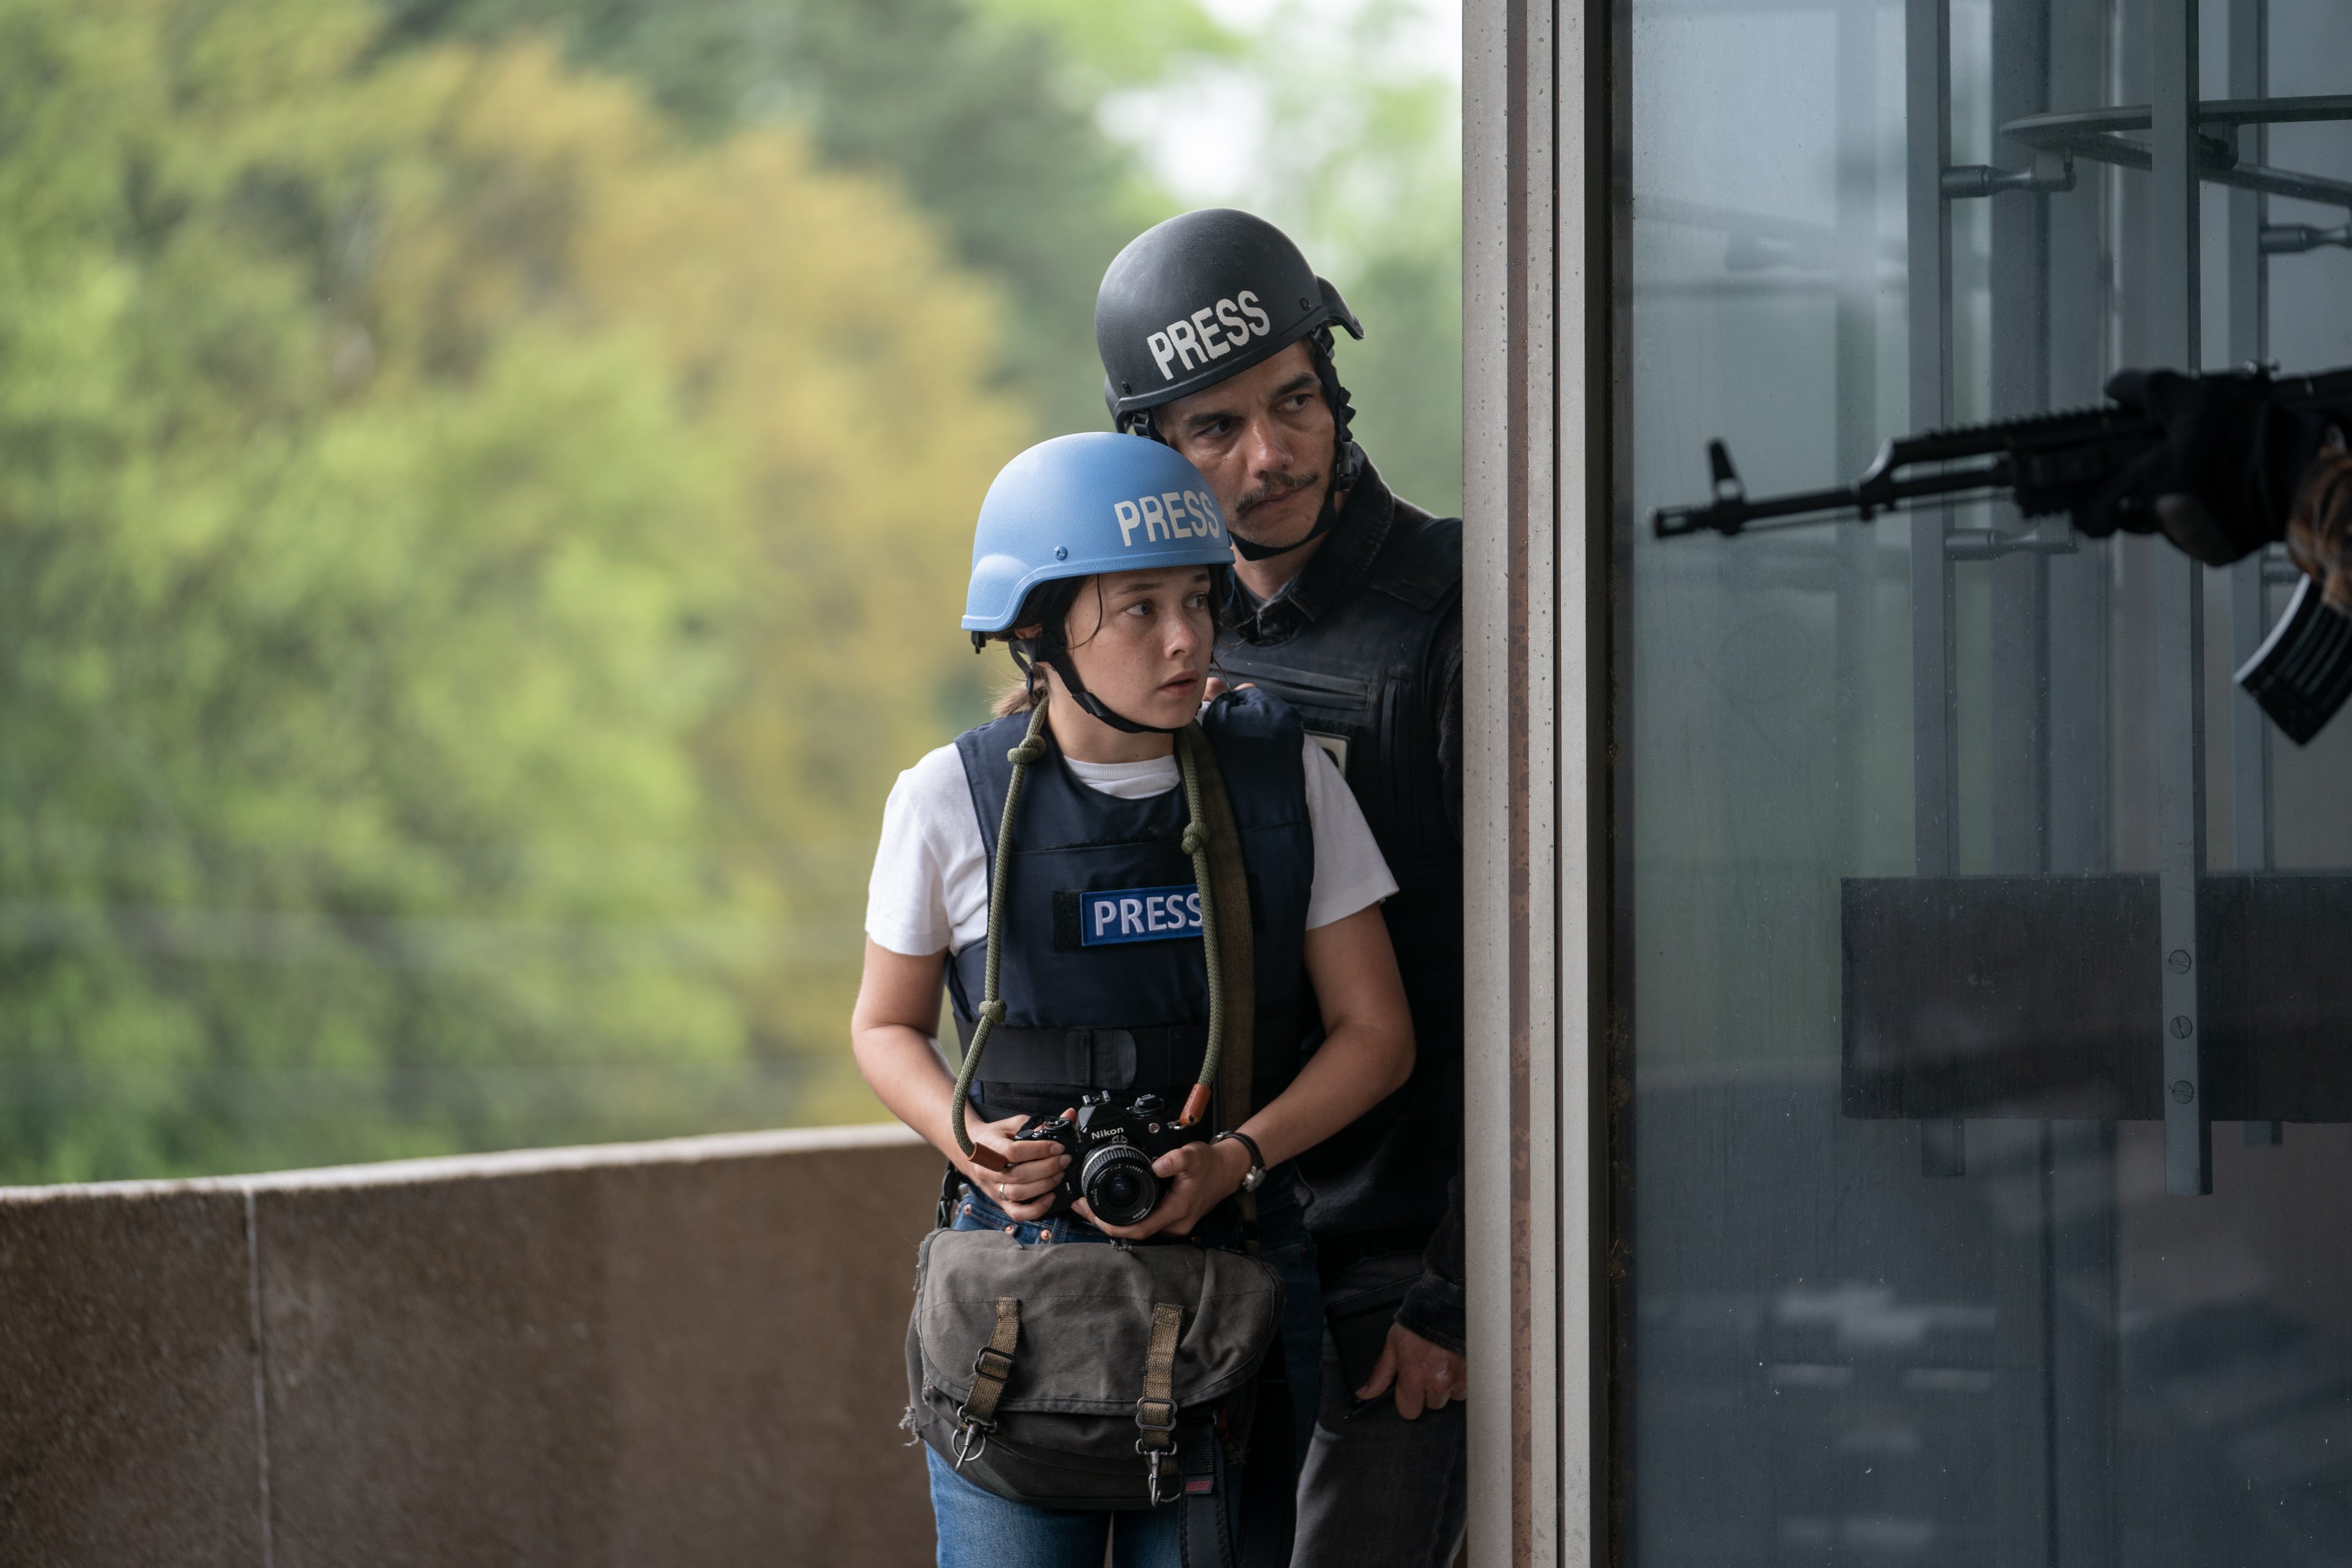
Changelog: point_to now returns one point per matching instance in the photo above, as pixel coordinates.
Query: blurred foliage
(487, 499)
(984, 112)
(989, 113)
(1360, 160)
(447, 519)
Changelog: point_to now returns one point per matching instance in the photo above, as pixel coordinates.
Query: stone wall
(688, 1352)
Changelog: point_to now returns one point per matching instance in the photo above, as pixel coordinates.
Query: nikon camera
(1111, 1149)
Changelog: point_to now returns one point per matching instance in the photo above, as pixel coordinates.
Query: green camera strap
(1233, 975)
(1213, 844)
(991, 1007)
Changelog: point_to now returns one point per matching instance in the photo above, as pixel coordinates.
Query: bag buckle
(1157, 1420)
(992, 1365)
(1152, 1458)
(971, 1438)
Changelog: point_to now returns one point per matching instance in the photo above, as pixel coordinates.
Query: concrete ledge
(129, 1429)
(689, 1350)
(507, 1162)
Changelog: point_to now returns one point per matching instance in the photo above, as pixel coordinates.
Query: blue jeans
(980, 1529)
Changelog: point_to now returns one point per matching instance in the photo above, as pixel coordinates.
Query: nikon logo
(1212, 331)
(1171, 514)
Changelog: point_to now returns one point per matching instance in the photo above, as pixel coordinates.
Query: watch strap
(1256, 1154)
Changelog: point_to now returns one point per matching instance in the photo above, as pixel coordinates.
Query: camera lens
(1118, 1184)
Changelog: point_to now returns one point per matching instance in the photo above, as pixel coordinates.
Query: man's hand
(2319, 531)
(1425, 1375)
(2221, 485)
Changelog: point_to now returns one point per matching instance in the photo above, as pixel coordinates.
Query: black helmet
(1203, 297)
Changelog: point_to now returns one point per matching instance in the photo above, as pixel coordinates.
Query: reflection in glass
(1906, 1283)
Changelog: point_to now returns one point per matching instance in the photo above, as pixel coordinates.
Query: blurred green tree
(446, 520)
(983, 110)
(990, 115)
(1360, 159)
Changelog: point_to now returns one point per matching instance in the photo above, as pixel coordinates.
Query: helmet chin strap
(1027, 654)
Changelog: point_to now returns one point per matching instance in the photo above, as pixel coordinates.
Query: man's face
(1264, 441)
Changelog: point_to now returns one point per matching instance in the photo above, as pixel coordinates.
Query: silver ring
(1001, 1194)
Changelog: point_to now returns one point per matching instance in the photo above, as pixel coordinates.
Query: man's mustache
(1272, 487)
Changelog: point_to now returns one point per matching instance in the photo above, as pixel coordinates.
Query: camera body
(1111, 1148)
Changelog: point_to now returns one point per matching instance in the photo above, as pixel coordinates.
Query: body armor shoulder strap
(1257, 737)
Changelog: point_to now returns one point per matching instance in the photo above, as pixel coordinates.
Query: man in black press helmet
(1216, 338)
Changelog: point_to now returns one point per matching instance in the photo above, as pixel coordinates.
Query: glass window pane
(1905, 1281)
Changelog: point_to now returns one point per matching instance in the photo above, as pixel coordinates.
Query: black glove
(2221, 483)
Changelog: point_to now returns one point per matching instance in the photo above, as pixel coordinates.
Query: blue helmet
(1078, 505)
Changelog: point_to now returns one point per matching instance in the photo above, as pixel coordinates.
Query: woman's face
(1141, 641)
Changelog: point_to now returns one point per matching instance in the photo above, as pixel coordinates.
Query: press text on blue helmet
(1212, 331)
(1163, 517)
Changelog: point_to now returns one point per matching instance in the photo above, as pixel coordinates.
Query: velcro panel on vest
(1068, 928)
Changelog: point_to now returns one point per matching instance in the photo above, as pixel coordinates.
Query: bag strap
(1236, 948)
(1155, 1412)
(991, 1369)
(1204, 1534)
(1204, 1540)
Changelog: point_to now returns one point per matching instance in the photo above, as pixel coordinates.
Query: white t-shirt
(930, 889)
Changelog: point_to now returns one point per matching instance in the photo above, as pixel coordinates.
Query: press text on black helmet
(1212, 331)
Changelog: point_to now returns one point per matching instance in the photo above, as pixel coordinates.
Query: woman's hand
(897, 1004)
(1199, 1177)
(1024, 1189)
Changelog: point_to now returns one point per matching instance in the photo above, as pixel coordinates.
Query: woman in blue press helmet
(1100, 560)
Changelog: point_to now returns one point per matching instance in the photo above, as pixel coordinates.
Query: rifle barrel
(2049, 459)
(1730, 514)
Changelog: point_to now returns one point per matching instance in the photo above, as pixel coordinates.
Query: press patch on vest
(1335, 746)
(1138, 914)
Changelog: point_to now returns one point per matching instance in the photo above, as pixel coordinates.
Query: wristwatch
(1257, 1159)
